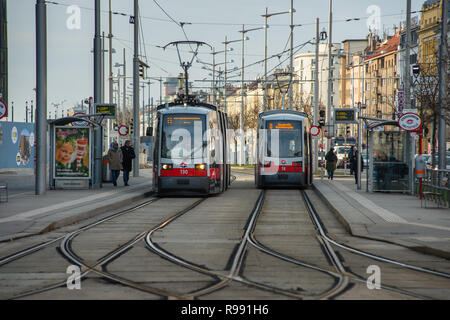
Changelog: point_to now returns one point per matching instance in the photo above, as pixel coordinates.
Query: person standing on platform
(128, 156)
(115, 159)
(331, 163)
(356, 169)
(351, 155)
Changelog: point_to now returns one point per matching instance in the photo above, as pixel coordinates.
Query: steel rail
(380, 258)
(30, 250)
(326, 239)
(223, 280)
(66, 251)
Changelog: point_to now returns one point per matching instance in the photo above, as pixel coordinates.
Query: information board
(345, 115)
(108, 110)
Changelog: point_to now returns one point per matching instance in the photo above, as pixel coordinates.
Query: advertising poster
(72, 152)
(17, 149)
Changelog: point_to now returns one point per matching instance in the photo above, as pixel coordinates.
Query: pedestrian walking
(128, 156)
(355, 166)
(115, 159)
(331, 163)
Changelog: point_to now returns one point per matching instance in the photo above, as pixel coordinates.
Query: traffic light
(141, 71)
(348, 130)
(131, 126)
(322, 118)
(416, 69)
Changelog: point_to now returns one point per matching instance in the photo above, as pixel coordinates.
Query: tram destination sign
(108, 110)
(345, 115)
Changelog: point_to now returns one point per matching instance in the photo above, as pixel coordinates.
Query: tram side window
(289, 139)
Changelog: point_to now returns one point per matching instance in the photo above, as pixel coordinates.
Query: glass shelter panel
(390, 160)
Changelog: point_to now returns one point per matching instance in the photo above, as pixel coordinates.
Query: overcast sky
(70, 61)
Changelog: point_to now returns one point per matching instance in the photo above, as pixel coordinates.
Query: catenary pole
(136, 89)
(41, 98)
(291, 64)
(443, 103)
(330, 66)
(97, 98)
(316, 97)
(265, 60)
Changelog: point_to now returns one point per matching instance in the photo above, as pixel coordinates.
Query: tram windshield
(182, 136)
(289, 142)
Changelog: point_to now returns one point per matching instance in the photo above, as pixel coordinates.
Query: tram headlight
(166, 166)
(200, 166)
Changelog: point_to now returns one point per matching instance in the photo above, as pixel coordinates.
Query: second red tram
(284, 157)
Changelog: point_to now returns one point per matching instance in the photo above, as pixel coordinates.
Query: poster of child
(72, 152)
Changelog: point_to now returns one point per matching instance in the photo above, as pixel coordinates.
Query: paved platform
(391, 217)
(26, 214)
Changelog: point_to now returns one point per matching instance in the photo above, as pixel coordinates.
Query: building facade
(381, 77)
(305, 68)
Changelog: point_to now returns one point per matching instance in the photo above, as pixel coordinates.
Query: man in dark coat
(128, 156)
(331, 163)
(356, 168)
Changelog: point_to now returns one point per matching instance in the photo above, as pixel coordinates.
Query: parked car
(342, 155)
(436, 157)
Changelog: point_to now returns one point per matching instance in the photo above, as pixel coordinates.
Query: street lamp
(267, 16)
(241, 116)
(226, 43)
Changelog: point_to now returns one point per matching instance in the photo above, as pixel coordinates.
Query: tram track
(33, 249)
(343, 276)
(323, 235)
(65, 249)
(237, 258)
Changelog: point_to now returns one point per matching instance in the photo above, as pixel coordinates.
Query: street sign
(315, 130)
(329, 131)
(409, 111)
(123, 130)
(345, 115)
(80, 123)
(3, 109)
(410, 122)
(108, 110)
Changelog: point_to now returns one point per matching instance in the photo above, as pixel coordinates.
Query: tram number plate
(282, 176)
(184, 172)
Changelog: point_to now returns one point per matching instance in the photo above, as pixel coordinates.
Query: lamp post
(213, 65)
(226, 43)
(266, 26)
(241, 117)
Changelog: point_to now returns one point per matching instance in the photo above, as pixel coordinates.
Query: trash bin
(106, 170)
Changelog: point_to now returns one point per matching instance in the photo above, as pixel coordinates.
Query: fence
(431, 188)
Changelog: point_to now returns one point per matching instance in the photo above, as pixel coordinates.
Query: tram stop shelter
(72, 151)
(391, 154)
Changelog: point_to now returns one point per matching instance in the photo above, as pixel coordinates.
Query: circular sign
(80, 123)
(410, 121)
(315, 130)
(123, 130)
(3, 108)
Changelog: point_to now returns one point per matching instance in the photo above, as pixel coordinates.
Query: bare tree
(426, 93)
